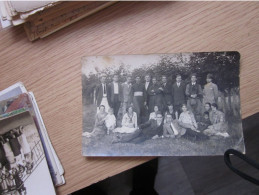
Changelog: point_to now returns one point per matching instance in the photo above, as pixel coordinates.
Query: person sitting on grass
(151, 129)
(110, 121)
(148, 130)
(171, 128)
(187, 121)
(205, 122)
(170, 110)
(129, 122)
(153, 115)
(219, 126)
(99, 127)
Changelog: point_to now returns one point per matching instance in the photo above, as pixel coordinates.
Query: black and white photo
(23, 165)
(181, 104)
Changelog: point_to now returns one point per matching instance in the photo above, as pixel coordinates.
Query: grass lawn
(103, 146)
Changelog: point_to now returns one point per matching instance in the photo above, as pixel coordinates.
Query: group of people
(153, 110)
(16, 160)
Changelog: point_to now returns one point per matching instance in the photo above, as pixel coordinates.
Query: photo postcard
(23, 165)
(185, 104)
(18, 89)
(24, 102)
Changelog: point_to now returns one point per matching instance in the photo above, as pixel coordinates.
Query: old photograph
(26, 102)
(22, 158)
(181, 104)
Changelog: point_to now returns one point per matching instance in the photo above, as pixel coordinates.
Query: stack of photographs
(15, 103)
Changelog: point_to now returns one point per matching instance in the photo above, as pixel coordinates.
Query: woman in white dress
(129, 122)
(26, 149)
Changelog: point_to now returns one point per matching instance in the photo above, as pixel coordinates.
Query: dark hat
(194, 74)
(209, 76)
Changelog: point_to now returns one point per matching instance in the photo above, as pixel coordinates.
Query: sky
(94, 63)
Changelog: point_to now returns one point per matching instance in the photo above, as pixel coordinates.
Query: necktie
(104, 89)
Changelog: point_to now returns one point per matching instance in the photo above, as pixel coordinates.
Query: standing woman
(3, 159)
(210, 91)
(8, 151)
(15, 146)
(99, 127)
(24, 143)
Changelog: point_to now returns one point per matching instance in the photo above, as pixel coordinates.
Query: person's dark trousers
(194, 136)
(116, 105)
(178, 108)
(144, 178)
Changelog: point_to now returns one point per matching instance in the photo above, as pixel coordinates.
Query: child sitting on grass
(110, 121)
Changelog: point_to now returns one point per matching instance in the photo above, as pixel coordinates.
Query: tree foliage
(223, 65)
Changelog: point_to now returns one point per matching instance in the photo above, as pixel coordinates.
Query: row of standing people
(144, 96)
(14, 148)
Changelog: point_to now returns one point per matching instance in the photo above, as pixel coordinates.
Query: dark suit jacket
(150, 128)
(193, 89)
(178, 93)
(167, 91)
(99, 94)
(147, 90)
(111, 92)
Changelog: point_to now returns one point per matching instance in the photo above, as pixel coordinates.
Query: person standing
(178, 93)
(101, 94)
(147, 85)
(15, 146)
(115, 91)
(126, 87)
(194, 93)
(210, 91)
(167, 91)
(139, 98)
(155, 96)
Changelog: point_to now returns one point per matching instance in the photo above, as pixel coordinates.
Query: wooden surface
(51, 67)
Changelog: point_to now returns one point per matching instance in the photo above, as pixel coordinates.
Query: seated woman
(219, 126)
(205, 122)
(153, 115)
(129, 122)
(187, 121)
(99, 127)
(170, 110)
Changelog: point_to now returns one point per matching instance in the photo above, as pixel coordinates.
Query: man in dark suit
(139, 99)
(178, 93)
(148, 130)
(115, 94)
(167, 91)
(194, 94)
(147, 88)
(102, 94)
(155, 96)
